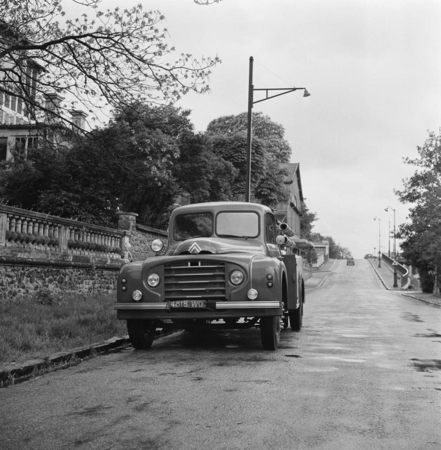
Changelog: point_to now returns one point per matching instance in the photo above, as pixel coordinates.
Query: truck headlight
(236, 277)
(157, 245)
(153, 280)
(137, 295)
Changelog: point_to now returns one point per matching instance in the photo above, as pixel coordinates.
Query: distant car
(369, 255)
(350, 262)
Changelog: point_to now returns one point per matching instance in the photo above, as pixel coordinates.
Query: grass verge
(46, 323)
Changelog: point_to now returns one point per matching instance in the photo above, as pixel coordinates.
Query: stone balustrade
(39, 251)
(28, 234)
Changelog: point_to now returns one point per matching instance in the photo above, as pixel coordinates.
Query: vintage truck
(226, 265)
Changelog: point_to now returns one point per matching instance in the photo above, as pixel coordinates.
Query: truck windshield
(237, 224)
(188, 226)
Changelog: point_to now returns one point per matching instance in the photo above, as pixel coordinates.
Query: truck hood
(218, 246)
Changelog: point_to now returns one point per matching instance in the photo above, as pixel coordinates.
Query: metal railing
(401, 270)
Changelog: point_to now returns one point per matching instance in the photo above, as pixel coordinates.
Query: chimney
(53, 103)
(78, 118)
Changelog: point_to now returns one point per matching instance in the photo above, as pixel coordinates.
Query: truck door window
(237, 224)
(271, 232)
(188, 226)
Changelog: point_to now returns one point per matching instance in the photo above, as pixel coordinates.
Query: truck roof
(222, 206)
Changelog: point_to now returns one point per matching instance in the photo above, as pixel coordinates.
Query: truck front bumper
(214, 310)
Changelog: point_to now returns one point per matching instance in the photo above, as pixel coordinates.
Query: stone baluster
(4, 226)
(18, 225)
(24, 230)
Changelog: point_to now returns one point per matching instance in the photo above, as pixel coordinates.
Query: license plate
(187, 304)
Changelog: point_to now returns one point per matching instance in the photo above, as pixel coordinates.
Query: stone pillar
(63, 238)
(127, 221)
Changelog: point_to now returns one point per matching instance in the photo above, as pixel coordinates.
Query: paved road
(363, 374)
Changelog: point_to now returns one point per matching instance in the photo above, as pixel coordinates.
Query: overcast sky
(373, 68)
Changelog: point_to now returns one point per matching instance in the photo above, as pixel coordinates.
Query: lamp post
(379, 240)
(251, 102)
(388, 238)
(395, 249)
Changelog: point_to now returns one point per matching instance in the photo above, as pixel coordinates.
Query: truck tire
(270, 332)
(141, 333)
(295, 318)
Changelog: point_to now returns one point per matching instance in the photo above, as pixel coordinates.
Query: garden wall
(41, 252)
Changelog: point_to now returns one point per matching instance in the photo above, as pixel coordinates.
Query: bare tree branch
(113, 60)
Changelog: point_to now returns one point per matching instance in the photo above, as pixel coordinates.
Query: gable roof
(292, 175)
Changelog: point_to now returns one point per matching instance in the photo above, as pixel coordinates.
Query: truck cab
(225, 266)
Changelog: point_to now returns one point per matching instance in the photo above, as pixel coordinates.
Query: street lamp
(395, 249)
(388, 239)
(251, 102)
(379, 240)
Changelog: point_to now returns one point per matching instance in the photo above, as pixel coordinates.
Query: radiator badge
(194, 248)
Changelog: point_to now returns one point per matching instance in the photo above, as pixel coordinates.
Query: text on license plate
(184, 304)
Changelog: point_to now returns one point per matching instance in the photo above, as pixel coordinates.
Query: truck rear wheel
(141, 333)
(295, 318)
(270, 332)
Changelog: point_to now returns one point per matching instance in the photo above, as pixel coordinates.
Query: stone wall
(25, 280)
(141, 239)
(40, 253)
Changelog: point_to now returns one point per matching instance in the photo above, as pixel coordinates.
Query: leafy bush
(427, 281)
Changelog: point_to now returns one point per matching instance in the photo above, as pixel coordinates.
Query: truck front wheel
(270, 332)
(141, 333)
(295, 318)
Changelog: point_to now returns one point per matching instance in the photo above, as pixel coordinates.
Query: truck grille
(195, 280)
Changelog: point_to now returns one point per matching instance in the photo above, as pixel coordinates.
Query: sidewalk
(386, 276)
(422, 296)
(319, 276)
(327, 266)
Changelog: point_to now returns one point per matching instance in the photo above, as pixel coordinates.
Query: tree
(126, 165)
(271, 133)
(233, 149)
(140, 162)
(269, 148)
(112, 60)
(307, 220)
(336, 251)
(422, 236)
(203, 174)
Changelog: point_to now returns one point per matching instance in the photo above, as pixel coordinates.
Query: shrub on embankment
(46, 323)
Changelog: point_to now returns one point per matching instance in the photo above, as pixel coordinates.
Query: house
(18, 125)
(322, 252)
(290, 212)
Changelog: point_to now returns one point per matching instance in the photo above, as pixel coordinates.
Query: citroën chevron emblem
(194, 248)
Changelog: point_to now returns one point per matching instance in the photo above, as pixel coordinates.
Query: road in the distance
(364, 373)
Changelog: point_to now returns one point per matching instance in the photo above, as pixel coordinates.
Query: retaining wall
(42, 252)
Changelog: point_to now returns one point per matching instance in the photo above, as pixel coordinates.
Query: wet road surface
(364, 373)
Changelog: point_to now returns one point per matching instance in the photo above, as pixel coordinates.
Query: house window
(23, 144)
